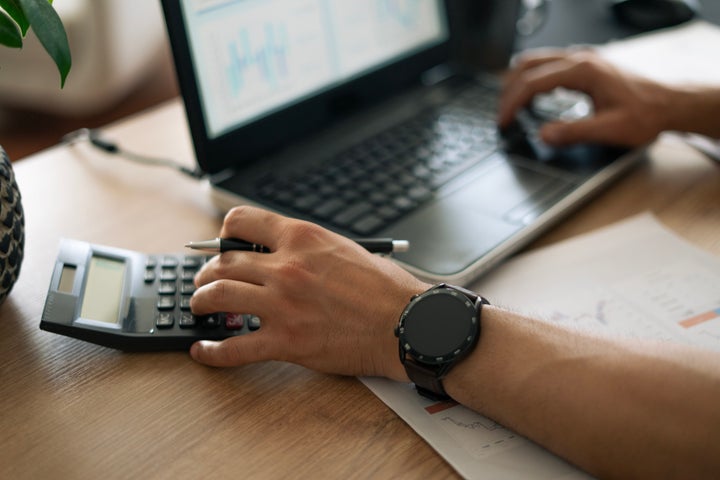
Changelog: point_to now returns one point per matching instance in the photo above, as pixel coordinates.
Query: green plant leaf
(49, 29)
(9, 32)
(12, 7)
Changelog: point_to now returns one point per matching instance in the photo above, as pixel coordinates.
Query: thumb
(561, 133)
(609, 128)
(231, 352)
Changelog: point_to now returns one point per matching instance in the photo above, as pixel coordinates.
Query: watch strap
(427, 380)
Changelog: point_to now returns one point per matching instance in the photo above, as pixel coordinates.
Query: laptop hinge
(222, 175)
(437, 75)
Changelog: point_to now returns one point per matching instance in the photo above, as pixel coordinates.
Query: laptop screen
(256, 57)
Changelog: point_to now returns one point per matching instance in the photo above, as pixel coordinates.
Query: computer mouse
(654, 14)
(522, 136)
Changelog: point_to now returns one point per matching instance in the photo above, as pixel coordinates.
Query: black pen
(220, 245)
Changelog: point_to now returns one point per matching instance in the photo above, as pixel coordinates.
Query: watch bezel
(456, 353)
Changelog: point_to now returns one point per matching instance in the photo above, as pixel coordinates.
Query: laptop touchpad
(446, 240)
(509, 186)
(450, 235)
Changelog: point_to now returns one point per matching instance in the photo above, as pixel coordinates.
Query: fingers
(541, 79)
(579, 70)
(254, 225)
(609, 128)
(247, 267)
(532, 60)
(525, 64)
(235, 351)
(230, 296)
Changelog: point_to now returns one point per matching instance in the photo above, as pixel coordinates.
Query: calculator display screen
(103, 290)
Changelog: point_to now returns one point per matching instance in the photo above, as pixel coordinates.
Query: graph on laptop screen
(254, 57)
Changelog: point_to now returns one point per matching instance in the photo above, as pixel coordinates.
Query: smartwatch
(437, 329)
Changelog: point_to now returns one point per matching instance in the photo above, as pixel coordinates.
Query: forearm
(613, 408)
(693, 110)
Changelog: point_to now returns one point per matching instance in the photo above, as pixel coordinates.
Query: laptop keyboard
(376, 182)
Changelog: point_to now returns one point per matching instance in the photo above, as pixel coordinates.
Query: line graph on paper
(675, 301)
(479, 435)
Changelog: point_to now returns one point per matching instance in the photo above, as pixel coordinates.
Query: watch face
(438, 326)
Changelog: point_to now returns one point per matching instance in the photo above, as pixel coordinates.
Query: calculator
(131, 301)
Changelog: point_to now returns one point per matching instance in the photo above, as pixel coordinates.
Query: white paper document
(634, 278)
(685, 54)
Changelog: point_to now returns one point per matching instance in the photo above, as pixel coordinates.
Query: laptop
(377, 119)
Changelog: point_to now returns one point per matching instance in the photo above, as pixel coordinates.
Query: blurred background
(121, 65)
(122, 62)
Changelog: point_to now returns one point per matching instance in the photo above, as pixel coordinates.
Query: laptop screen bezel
(247, 143)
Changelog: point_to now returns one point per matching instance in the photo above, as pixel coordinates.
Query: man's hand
(324, 301)
(629, 110)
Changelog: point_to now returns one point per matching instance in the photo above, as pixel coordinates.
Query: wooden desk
(74, 410)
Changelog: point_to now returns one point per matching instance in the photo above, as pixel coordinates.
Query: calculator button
(209, 321)
(167, 288)
(168, 275)
(185, 302)
(187, 320)
(192, 261)
(165, 320)
(254, 322)
(187, 288)
(149, 275)
(169, 262)
(166, 303)
(151, 262)
(188, 275)
(234, 321)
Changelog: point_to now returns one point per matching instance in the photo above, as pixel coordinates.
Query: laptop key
(307, 202)
(284, 197)
(368, 224)
(326, 210)
(379, 197)
(404, 203)
(443, 176)
(347, 216)
(350, 196)
(419, 193)
(388, 213)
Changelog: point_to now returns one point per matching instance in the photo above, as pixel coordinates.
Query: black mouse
(653, 14)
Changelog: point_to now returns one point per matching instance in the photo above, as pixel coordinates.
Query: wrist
(482, 364)
(692, 109)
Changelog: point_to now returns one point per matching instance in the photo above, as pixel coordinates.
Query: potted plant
(16, 18)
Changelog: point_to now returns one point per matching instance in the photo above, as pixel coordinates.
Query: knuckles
(222, 266)
(215, 293)
(293, 271)
(298, 233)
(236, 214)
